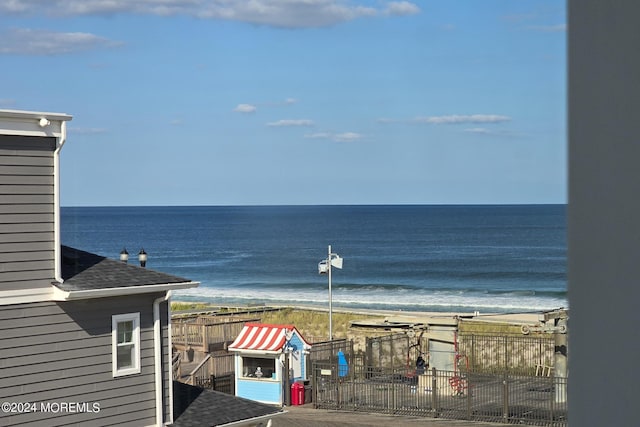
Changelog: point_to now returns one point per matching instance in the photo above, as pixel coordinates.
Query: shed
(261, 353)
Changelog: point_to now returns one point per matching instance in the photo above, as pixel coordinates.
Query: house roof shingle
(198, 407)
(84, 271)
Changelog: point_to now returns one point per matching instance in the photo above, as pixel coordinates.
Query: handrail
(195, 371)
(176, 365)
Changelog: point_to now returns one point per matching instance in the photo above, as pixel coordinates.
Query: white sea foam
(434, 301)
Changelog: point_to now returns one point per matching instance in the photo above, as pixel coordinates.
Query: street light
(324, 267)
(142, 257)
(124, 255)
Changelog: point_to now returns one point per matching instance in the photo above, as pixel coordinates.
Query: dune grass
(179, 305)
(314, 324)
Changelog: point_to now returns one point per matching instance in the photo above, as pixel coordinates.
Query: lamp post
(324, 267)
(142, 257)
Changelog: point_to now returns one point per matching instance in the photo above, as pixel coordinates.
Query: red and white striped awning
(261, 337)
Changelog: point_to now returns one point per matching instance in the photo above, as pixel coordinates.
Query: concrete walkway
(307, 416)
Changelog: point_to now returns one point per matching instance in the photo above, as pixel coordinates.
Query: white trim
(57, 249)
(21, 296)
(27, 123)
(54, 293)
(118, 318)
(157, 358)
(61, 295)
(169, 359)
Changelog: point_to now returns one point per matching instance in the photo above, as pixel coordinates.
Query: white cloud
(478, 130)
(318, 135)
(276, 13)
(347, 137)
(457, 119)
(245, 108)
(502, 133)
(558, 28)
(290, 101)
(338, 137)
(290, 122)
(402, 8)
(24, 41)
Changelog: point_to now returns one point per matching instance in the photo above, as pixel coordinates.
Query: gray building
(84, 340)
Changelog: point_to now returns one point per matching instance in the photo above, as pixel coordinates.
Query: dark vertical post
(473, 352)
(468, 396)
(314, 384)
(506, 359)
(505, 399)
(434, 391)
(285, 382)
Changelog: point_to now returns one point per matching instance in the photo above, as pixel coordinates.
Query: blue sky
(229, 102)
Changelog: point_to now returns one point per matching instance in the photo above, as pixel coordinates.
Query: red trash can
(297, 394)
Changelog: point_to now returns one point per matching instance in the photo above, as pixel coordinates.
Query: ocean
(493, 258)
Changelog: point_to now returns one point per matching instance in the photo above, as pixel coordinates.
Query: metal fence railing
(326, 351)
(506, 398)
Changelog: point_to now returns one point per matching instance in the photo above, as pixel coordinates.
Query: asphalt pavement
(307, 416)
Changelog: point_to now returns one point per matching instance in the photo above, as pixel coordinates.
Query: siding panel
(26, 247)
(26, 210)
(24, 276)
(7, 159)
(25, 228)
(25, 189)
(13, 199)
(25, 285)
(26, 237)
(22, 265)
(26, 256)
(26, 170)
(62, 352)
(22, 218)
(27, 145)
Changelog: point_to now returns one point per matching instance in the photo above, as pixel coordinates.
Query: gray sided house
(84, 340)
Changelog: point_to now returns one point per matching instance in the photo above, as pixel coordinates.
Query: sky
(286, 102)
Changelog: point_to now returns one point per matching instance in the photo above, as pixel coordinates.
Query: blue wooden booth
(260, 354)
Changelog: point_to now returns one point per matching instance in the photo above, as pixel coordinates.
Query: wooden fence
(214, 365)
(206, 333)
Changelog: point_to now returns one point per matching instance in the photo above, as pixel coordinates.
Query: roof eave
(23, 114)
(62, 295)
